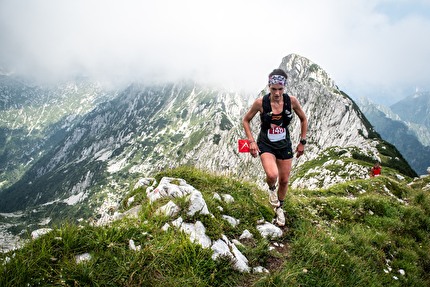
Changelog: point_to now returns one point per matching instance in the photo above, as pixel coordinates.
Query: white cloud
(369, 47)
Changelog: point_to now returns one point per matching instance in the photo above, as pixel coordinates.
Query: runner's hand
(253, 149)
(300, 150)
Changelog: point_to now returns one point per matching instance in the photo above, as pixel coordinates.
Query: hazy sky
(373, 48)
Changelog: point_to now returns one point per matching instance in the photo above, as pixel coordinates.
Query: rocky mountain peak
(302, 69)
(333, 118)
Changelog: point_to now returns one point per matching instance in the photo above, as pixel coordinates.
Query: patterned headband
(277, 79)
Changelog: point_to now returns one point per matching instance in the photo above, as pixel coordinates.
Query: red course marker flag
(243, 145)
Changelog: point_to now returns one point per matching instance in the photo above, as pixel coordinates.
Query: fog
(376, 49)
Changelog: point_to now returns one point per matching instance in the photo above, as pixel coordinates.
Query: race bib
(276, 133)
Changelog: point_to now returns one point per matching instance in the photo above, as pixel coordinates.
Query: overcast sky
(373, 48)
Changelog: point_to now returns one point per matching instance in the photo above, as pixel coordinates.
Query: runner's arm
(303, 124)
(246, 122)
(302, 116)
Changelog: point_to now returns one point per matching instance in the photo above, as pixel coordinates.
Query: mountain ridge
(144, 129)
(414, 108)
(408, 133)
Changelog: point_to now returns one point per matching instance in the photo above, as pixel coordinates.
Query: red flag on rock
(243, 145)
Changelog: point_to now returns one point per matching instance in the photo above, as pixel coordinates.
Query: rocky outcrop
(177, 188)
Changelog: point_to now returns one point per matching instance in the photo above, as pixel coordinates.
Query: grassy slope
(359, 233)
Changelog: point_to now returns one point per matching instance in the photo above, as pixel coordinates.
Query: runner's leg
(284, 169)
(270, 167)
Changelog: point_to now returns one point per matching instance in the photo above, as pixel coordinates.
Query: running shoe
(280, 216)
(273, 196)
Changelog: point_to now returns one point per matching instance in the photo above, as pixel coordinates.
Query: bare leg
(277, 171)
(284, 169)
(270, 167)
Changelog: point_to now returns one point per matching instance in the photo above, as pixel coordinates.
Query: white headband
(277, 79)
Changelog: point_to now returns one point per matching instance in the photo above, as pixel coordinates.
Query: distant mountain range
(69, 150)
(406, 124)
(414, 109)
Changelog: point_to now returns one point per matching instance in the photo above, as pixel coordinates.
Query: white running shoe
(273, 196)
(280, 216)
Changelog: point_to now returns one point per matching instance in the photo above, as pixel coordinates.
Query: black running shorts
(279, 153)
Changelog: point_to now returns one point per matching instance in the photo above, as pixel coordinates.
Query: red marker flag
(243, 145)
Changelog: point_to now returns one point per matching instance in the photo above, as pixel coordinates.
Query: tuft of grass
(165, 259)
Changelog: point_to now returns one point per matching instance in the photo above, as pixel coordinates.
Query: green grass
(340, 236)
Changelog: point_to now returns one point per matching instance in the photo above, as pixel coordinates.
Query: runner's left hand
(299, 150)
